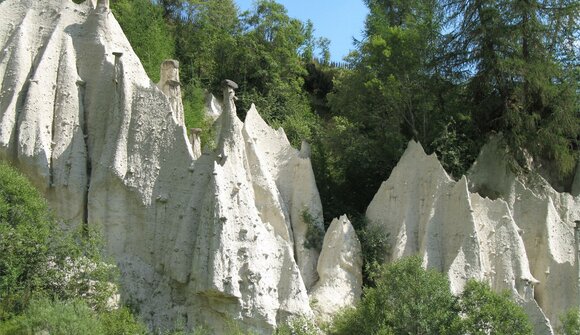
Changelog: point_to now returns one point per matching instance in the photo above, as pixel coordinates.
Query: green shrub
(194, 106)
(194, 115)
(299, 325)
(406, 300)
(485, 312)
(40, 257)
(77, 269)
(121, 322)
(570, 322)
(72, 317)
(314, 234)
(374, 241)
(26, 230)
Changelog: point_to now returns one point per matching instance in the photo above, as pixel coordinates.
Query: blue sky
(337, 20)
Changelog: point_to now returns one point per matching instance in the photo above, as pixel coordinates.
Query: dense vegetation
(410, 300)
(52, 279)
(445, 73)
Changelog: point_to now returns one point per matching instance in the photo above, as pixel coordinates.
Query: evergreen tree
(516, 82)
(396, 91)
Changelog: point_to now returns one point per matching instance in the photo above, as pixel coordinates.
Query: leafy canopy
(408, 299)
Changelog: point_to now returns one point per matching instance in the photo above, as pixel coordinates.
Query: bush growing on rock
(486, 312)
(299, 325)
(408, 299)
(570, 322)
(314, 234)
(71, 317)
(40, 258)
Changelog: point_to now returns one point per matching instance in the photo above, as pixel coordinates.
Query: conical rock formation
(339, 267)
(201, 239)
(523, 241)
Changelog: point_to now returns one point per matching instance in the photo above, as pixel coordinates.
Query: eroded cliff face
(201, 239)
(516, 235)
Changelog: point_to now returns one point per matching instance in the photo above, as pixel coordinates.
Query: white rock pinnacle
(201, 239)
(522, 241)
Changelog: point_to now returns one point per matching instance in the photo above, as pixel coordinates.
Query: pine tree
(517, 83)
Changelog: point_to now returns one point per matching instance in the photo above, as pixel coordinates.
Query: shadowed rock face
(199, 238)
(523, 241)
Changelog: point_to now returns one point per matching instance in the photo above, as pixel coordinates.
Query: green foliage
(77, 267)
(193, 106)
(121, 322)
(206, 41)
(194, 114)
(151, 39)
(485, 312)
(26, 228)
(40, 257)
(298, 326)
(455, 149)
(314, 232)
(71, 317)
(374, 241)
(391, 95)
(520, 86)
(570, 322)
(406, 300)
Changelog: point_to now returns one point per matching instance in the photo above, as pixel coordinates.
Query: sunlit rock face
(491, 226)
(340, 270)
(201, 239)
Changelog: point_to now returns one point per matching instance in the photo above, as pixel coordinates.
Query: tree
(570, 322)
(206, 43)
(406, 300)
(516, 81)
(39, 257)
(270, 69)
(397, 90)
(151, 39)
(485, 312)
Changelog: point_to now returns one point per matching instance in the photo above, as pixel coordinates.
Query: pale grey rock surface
(521, 239)
(576, 182)
(340, 270)
(199, 238)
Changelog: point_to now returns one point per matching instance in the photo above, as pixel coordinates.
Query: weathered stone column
(170, 85)
(229, 114)
(99, 3)
(577, 245)
(195, 140)
(117, 55)
(229, 92)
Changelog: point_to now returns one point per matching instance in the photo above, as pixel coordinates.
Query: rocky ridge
(515, 234)
(200, 238)
(219, 236)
